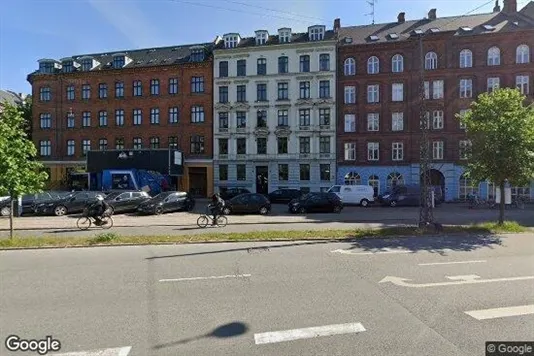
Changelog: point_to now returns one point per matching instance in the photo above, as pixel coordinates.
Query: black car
(407, 195)
(248, 204)
(229, 193)
(126, 201)
(74, 202)
(30, 201)
(316, 203)
(284, 195)
(167, 202)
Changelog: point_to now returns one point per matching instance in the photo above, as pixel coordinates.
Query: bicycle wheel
(83, 223)
(107, 222)
(203, 221)
(222, 221)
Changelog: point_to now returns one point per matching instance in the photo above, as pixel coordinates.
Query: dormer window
(119, 61)
(47, 67)
(197, 55)
(316, 33)
(393, 36)
(284, 35)
(87, 64)
(68, 66)
(466, 29)
(261, 37)
(231, 40)
(489, 27)
(373, 38)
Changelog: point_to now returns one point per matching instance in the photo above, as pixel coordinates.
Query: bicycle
(204, 220)
(84, 222)
(519, 203)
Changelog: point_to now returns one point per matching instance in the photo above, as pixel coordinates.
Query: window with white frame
(196, 145)
(119, 90)
(71, 120)
(154, 142)
(466, 186)
(397, 63)
(173, 115)
(373, 122)
(373, 151)
(324, 62)
(45, 94)
(350, 151)
(70, 92)
(86, 91)
(522, 54)
(522, 83)
(119, 117)
(231, 41)
(137, 143)
(71, 147)
(137, 88)
(45, 148)
(261, 38)
(284, 36)
(350, 123)
(350, 94)
(464, 148)
(466, 58)
(431, 61)
(393, 179)
(197, 114)
(397, 151)
(154, 116)
(86, 119)
(316, 34)
(397, 92)
(493, 84)
(397, 121)
(466, 88)
(283, 118)
(437, 149)
(103, 118)
(119, 143)
(86, 146)
(197, 84)
(494, 56)
(324, 116)
(427, 90)
(137, 117)
(373, 65)
(173, 86)
(305, 90)
(461, 114)
(437, 119)
(438, 89)
(352, 178)
(103, 144)
(349, 67)
(304, 117)
(102, 90)
(373, 93)
(241, 119)
(154, 87)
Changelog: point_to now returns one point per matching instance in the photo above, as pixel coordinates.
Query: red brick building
(148, 98)
(379, 72)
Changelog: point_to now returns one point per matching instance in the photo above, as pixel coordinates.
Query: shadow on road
(223, 331)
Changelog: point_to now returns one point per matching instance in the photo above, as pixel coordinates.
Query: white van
(354, 194)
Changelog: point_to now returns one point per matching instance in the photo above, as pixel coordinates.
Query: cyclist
(216, 206)
(97, 210)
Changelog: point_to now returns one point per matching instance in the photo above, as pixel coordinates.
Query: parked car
(249, 203)
(30, 201)
(362, 195)
(74, 202)
(229, 193)
(126, 201)
(407, 195)
(167, 202)
(316, 203)
(284, 195)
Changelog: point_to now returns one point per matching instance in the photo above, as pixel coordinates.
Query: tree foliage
(26, 108)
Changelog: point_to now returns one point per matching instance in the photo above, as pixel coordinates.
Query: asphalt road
(279, 219)
(234, 299)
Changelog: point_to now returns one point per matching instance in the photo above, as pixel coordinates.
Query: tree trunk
(11, 205)
(501, 204)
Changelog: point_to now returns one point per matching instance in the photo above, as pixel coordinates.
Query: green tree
(27, 115)
(500, 128)
(19, 172)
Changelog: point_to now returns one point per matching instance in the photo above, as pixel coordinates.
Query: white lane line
(307, 333)
(501, 312)
(204, 278)
(379, 252)
(451, 263)
(119, 351)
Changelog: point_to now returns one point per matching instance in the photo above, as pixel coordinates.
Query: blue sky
(34, 29)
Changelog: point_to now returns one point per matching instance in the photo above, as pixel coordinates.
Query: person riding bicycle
(97, 210)
(216, 206)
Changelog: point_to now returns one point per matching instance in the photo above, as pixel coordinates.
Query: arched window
(373, 65)
(494, 56)
(394, 179)
(466, 58)
(431, 60)
(466, 187)
(397, 63)
(349, 66)
(374, 182)
(352, 178)
(522, 54)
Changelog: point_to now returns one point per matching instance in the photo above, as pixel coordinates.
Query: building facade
(274, 110)
(379, 76)
(148, 98)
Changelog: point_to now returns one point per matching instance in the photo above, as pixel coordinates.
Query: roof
(301, 37)
(11, 97)
(500, 21)
(528, 10)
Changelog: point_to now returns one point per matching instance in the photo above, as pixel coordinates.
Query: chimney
(497, 8)
(432, 14)
(509, 6)
(401, 18)
(337, 24)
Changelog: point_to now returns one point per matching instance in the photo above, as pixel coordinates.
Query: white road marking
(501, 312)
(383, 251)
(119, 351)
(451, 263)
(457, 280)
(204, 278)
(307, 333)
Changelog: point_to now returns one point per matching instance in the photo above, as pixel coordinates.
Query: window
(154, 87)
(494, 56)
(70, 120)
(137, 143)
(197, 84)
(349, 67)
(394, 179)
(103, 144)
(241, 93)
(397, 64)
(223, 94)
(45, 148)
(304, 172)
(282, 144)
(397, 92)
(223, 172)
(437, 150)
(324, 172)
(284, 36)
(437, 89)
(350, 123)
(45, 121)
(522, 83)
(283, 64)
(324, 62)
(119, 143)
(173, 142)
(137, 117)
(374, 182)
(466, 88)
(223, 146)
(86, 91)
(324, 89)
(437, 119)
(324, 117)
(304, 145)
(427, 90)
(283, 118)
(316, 34)
(397, 121)
(305, 91)
(464, 149)
(304, 117)
(241, 144)
(373, 122)
(305, 63)
(86, 119)
(119, 89)
(103, 118)
(261, 92)
(87, 64)
(71, 148)
(262, 118)
(373, 151)
(173, 115)
(522, 54)
(154, 142)
(68, 67)
(118, 61)
(86, 146)
(223, 120)
(373, 65)
(261, 145)
(197, 144)
(350, 151)
(466, 58)
(241, 119)
(261, 66)
(197, 114)
(373, 94)
(462, 113)
(70, 92)
(431, 61)
(197, 55)
(173, 86)
(352, 178)
(102, 90)
(283, 172)
(154, 116)
(241, 171)
(223, 69)
(350, 95)
(283, 91)
(45, 94)
(397, 151)
(493, 84)
(241, 68)
(119, 117)
(324, 144)
(137, 88)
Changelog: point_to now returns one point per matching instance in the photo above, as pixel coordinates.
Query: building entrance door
(262, 179)
(198, 181)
